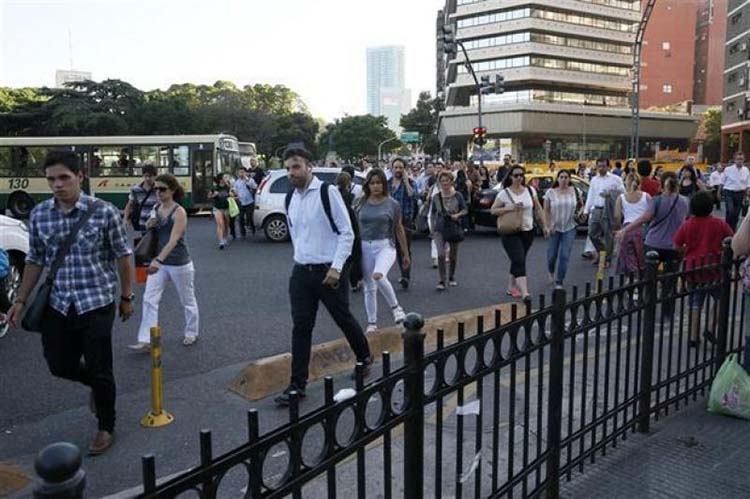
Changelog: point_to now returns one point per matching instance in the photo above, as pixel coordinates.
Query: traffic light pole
(479, 98)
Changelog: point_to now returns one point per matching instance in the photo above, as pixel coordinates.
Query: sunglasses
(518, 175)
(161, 188)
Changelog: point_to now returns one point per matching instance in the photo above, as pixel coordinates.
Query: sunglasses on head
(162, 188)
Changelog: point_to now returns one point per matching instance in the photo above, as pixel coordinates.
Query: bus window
(181, 160)
(6, 169)
(114, 161)
(27, 161)
(145, 155)
(163, 164)
(229, 161)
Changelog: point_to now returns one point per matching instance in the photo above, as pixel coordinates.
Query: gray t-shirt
(377, 221)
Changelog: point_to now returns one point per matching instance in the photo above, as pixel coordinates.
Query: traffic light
(479, 135)
(499, 84)
(449, 40)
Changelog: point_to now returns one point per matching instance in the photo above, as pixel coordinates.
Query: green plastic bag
(234, 210)
(730, 391)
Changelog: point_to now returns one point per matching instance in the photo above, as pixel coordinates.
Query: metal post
(380, 147)
(479, 118)
(555, 400)
(59, 467)
(727, 264)
(157, 416)
(414, 389)
(647, 350)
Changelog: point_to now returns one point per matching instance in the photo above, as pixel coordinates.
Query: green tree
(712, 130)
(424, 119)
(354, 137)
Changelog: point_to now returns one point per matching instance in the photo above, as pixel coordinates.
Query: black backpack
(354, 262)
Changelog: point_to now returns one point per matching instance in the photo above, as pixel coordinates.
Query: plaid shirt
(145, 201)
(88, 277)
(408, 203)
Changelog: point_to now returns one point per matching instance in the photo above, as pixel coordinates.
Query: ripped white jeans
(377, 258)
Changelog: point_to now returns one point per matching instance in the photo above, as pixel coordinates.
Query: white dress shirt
(312, 236)
(716, 179)
(600, 184)
(736, 179)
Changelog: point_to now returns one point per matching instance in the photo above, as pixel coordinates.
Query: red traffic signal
(479, 135)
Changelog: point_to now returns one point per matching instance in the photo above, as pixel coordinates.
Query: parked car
(541, 182)
(14, 238)
(269, 204)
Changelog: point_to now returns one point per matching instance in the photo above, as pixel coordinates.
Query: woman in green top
(220, 195)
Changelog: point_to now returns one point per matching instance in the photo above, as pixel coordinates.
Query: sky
(315, 47)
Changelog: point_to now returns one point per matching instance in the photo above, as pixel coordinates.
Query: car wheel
(20, 205)
(11, 284)
(276, 229)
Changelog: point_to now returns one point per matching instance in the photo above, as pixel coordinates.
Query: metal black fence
(510, 410)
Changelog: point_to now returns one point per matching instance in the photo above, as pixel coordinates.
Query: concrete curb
(271, 374)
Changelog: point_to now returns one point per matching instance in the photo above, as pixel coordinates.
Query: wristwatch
(129, 298)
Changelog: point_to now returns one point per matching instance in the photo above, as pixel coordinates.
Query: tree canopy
(269, 115)
(354, 137)
(424, 119)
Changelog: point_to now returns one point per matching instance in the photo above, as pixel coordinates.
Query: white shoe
(140, 347)
(399, 315)
(371, 328)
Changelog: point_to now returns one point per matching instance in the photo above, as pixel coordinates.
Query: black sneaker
(694, 343)
(287, 396)
(404, 283)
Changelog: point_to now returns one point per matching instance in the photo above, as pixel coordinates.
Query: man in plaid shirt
(81, 310)
(405, 191)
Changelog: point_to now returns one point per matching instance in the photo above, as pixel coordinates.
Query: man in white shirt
(244, 186)
(715, 181)
(734, 188)
(603, 189)
(322, 243)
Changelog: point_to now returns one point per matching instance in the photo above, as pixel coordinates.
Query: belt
(313, 267)
(598, 207)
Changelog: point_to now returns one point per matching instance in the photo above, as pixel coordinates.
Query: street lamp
(380, 146)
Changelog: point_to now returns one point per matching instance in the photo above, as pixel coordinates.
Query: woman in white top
(561, 204)
(517, 196)
(630, 207)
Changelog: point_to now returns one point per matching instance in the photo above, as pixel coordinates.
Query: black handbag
(147, 248)
(451, 230)
(32, 320)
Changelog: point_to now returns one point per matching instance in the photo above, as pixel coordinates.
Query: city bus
(112, 165)
(248, 151)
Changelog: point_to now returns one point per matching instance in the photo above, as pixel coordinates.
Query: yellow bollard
(157, 416)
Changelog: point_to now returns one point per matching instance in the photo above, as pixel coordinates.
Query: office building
(735, 121)
(63, 76)
(567, 68)
(710, 31)
(386, 95)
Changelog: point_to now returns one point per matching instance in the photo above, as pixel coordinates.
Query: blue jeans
(733, 207)
(560, 244)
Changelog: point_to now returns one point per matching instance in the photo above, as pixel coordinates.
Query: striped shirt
(562, 209)
(87, 279)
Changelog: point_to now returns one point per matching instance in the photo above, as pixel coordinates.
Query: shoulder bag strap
(671, 208)
(62, 252)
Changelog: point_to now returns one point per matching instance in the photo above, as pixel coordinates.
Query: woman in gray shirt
(172, 263)
(380, 224)
(447, 206)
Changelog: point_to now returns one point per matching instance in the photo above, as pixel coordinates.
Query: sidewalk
(691, 454)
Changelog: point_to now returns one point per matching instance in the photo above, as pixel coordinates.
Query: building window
(667, 89)
(736, 18)
(666, 46)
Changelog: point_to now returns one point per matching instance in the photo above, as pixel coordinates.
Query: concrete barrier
(271, 374)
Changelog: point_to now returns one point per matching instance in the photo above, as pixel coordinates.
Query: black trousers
(671, 260)
(405, 273)
(79, 348)
(306, 290)
(246, 218)
(517, 247)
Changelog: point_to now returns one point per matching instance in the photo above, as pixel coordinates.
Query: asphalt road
(245, 315)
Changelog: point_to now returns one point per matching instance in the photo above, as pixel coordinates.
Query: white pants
(377, 258)
(182, 277)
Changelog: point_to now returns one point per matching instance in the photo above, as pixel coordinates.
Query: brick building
(710, 38)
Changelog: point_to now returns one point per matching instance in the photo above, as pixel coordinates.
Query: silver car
(14, 238)
(269, 202)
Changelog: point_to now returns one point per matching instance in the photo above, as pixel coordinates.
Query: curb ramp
(269, 375)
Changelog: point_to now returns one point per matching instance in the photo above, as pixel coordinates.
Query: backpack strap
(326, 200)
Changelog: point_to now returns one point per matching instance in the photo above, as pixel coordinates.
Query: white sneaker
(399, 315)
(371, 328)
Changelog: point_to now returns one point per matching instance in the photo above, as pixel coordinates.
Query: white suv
(14, 238)
(269, 202)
